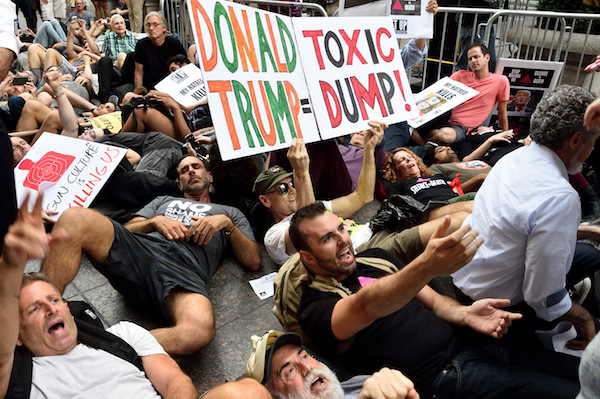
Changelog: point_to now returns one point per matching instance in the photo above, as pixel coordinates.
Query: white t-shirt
(275, 237)
(86, 372)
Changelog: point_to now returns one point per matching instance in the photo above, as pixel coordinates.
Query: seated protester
(39, 320)
(82, 13)
(370, 311)
(20, 111)
(280, 362)
(122, 10)
(116, 68)
(467, 117)
(50, 33)
(152, 52)
(446, 163)
(405, 173)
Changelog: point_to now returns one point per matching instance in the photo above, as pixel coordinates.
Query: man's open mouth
(56, 328)
(318, 385)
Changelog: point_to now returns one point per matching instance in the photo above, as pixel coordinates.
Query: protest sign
(439, 98)
(529, 81)
(253, 76)
(354, 73)
(70, 171)
(112, 122)
(409, 17)
(185, 85)
(411, 21)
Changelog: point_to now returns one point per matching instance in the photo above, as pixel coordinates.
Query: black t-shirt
(412, 340)
(424, 189)
(154, 58)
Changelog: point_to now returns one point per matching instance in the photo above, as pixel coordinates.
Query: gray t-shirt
(183, 210)
(353, 386)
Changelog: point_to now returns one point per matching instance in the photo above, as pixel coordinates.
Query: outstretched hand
(445, 254)
(388, 384)
(484, 316)
(27, 238)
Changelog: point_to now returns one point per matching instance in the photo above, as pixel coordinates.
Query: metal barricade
(178, 21)
(520, 34)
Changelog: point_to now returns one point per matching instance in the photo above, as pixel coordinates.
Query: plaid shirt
(115, 44)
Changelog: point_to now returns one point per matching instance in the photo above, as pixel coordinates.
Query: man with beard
(280, 362)
(369, 311)
(163, 258)
(470, 173)
(529, 216)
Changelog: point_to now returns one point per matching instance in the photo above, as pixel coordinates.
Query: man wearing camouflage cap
(282, 365)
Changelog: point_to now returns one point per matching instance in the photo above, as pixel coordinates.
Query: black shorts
(145, 269)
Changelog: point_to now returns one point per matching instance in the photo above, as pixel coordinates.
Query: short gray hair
(116, 16)
(560, 114)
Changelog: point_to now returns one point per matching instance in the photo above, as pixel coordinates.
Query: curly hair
(560, 114)
(388, 170)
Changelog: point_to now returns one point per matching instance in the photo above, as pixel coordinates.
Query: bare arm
(298, 157)
(443, 255)
(168, 379)
(181, 127)
(480, 151)
(26, 239)
(89, 37)
(133, 157)
(245, 249)
(70, 49)
(584, 324)
(173, 230)
(65, 109)
(365, 188)
(6, 59)
(473, 183)
(502, 115)
(138, 77)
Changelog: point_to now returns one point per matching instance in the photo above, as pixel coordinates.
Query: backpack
(293, 277)
(90, 331)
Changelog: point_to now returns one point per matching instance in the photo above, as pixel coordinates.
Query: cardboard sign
(185, 85)
(354, 73)
(70, 171)
(410, 19)
(439, 98)
(112, 122)
(529, 81)
(254, 79)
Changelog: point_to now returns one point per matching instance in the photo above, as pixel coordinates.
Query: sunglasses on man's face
(282, 188)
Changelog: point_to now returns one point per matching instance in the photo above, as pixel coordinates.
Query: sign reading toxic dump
(271, 79)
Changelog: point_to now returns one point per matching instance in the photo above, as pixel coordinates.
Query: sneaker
(581, 290)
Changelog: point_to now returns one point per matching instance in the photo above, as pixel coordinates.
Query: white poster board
(529, 81)
(70, 171)
(185, 85)
(354, 73)
(409, 17)
(254, 79)
(439, 98)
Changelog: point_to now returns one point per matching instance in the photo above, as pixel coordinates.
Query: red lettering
(314, 34)
(363, 95)
(351, 42)
(390, 56)
(329, 92)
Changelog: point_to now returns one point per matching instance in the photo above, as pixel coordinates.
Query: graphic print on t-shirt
(183, 210)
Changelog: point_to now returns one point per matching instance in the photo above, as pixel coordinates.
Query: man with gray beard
(282, 365)
(529, 216)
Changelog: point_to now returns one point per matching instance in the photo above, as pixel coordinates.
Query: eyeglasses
(282, 189)
(153, 24)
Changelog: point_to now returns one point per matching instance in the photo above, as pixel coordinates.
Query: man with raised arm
(34, 315)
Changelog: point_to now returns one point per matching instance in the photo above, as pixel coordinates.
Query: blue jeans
(50, 33)
(483, 371)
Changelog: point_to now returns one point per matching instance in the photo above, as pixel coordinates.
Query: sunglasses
(282, 189)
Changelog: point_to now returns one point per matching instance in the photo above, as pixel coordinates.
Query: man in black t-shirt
(152, 52)
(370, 318)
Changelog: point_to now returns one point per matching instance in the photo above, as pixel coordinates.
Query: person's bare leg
(150, 121)
(32, 116)
(121, 59)
(462, 206)
(51, 124)
(53, 58)
(87, 231)
(194, 323)
(35, 55)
